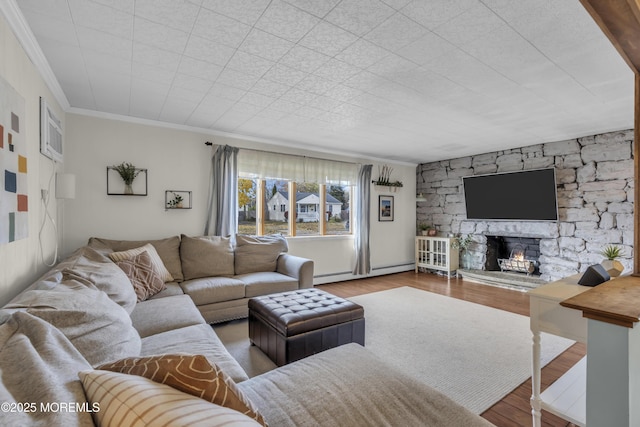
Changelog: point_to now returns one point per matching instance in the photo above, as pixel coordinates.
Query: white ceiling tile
(257, 99)
(157, 35)
(95, 62)
(285, 21)
(246, 11)
(304, 59)
(432, 14)
(315, 7)
(208, 50)
(147, 98)
(195, 67)
(337, 70)
(265, 45)
(51, 27)
(359, 16)
(250, 64)
(191, 83)
(327, 39)
(237, 79)
(299, 96)
(325, 103)
(285, 106)
(286, 75)
(362, 54)
(223, 92)
(161, 59)
(178, 109)
(343, 93)
(103, 43)
(177, 14)
(427, 48)
(152, 73)
(396, 32)
(123, 5)
(315, 84)
(476, 21)
(270, 88)
(219, 28)
(54, 9)
(103, 18)
(392, 67)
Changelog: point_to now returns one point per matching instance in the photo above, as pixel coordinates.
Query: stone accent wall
(595, 180)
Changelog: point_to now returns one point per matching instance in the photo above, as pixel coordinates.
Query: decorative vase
(613, 267)
(465, 259)
(128, 189)
(423, 232)
(432, 232)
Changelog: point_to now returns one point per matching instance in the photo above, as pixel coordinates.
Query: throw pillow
(153, 254)
(146, 280)
(258, 253)
(130, 400)
(168, 249)
(191, 374)
(206, 256)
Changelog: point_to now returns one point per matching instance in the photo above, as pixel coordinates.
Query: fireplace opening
(513, 255)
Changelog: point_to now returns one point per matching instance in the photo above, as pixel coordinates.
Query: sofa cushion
(39, 365)
(131, 400)
(206, 256)
(171, 289)
(267, 282)
(143, 274)
(195, 339)
(93, 269)
(192, 374)
(150, 316)
(99, 328)
(258, 253)
(213, 289)
(154, 259)
(168, 249)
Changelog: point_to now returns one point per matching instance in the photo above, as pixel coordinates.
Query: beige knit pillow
(142, 273)
(206, 256)
(191, 374)
(134, 401)
(155, 259)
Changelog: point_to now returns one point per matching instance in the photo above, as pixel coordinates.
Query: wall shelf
(116, 186)
(170, 196)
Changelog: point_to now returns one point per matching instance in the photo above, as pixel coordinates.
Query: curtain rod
(296, 155)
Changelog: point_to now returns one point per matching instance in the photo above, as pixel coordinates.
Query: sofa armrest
(297, 267)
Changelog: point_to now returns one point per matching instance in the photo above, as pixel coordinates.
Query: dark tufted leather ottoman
(288, 326)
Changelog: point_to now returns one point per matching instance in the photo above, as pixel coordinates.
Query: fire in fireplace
(517, 261)
(513, 254)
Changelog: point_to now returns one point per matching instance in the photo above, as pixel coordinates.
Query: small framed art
(385, 208)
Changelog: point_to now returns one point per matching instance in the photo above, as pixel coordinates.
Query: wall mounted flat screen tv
(524, 195)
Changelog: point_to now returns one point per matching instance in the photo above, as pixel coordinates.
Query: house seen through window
(266, 206)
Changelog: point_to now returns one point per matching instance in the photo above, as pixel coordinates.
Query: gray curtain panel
(362, 221)
(223, 192)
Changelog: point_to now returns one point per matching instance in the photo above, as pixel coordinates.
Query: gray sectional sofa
(86, 312)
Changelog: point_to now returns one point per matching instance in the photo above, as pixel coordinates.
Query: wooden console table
(566, 397)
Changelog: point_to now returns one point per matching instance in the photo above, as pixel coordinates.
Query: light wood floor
(514, 410)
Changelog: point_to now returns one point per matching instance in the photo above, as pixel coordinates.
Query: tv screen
(525, 195)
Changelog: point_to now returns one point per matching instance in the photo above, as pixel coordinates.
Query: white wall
(177, 159)
(20, 261)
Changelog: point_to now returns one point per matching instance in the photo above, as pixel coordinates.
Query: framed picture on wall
(385, 208)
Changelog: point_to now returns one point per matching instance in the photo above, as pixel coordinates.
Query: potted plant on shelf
(176, 202)
(423, 228)
(128, 173)
(610, 263)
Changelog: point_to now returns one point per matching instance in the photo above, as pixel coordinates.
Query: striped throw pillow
(134, 401)
(192, 374)
(155, 259)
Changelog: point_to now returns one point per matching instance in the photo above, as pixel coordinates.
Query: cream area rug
(474, 354)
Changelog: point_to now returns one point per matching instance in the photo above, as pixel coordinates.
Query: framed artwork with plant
(127, 180)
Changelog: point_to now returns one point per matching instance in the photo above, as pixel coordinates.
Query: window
(322, 191)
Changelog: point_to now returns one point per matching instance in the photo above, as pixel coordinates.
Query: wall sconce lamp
(65, 186)
(420, 198)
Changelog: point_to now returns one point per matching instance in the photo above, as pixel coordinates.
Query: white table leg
(536, 402)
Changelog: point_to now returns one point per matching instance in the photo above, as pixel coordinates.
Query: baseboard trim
(342, 276)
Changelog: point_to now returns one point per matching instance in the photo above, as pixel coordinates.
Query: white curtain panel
(222, 218)
(362, 222)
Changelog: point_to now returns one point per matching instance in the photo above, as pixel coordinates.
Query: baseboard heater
(342, 273)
